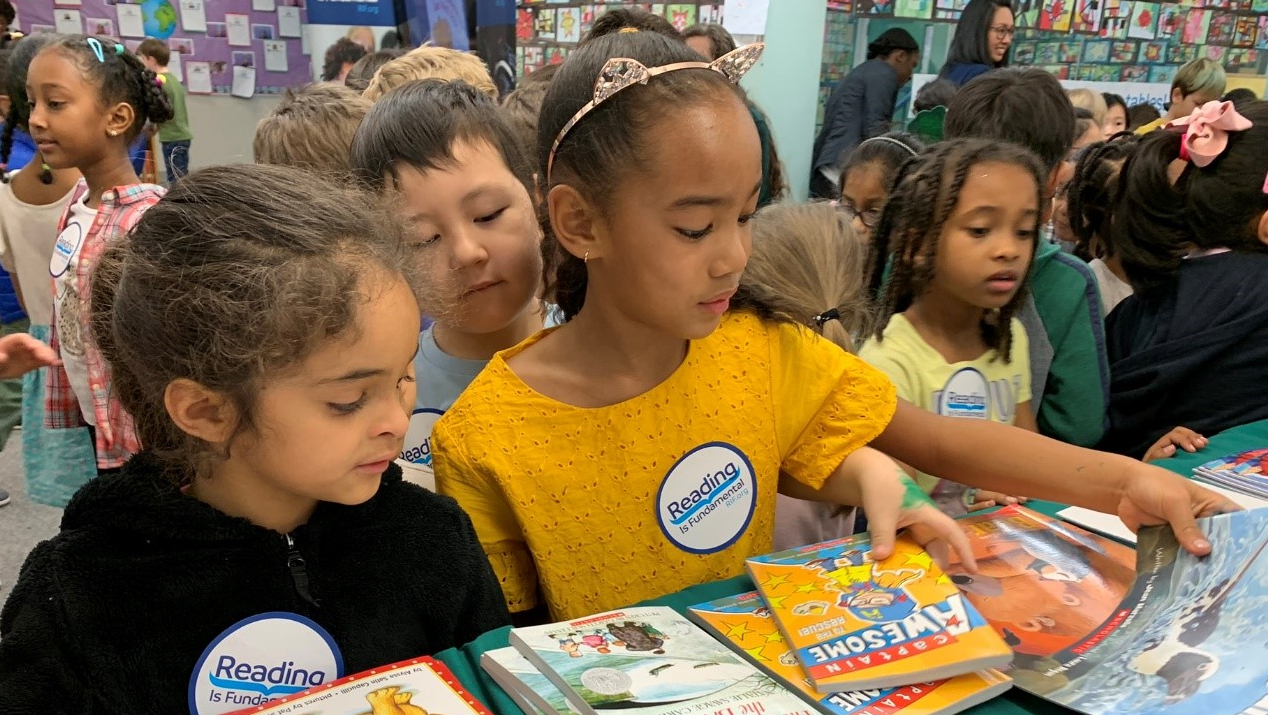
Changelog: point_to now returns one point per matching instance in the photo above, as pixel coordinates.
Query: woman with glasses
(983, 37)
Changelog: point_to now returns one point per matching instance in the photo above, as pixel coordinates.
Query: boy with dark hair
(1063, 316)
(174, 134)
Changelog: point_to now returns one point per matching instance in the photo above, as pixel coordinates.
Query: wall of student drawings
(218, 46)
(1089, 40)
(547, 30)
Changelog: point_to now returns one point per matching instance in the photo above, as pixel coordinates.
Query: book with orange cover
(857, 624)
(744, 622)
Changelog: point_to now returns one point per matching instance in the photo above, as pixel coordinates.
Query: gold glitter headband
(621, 73)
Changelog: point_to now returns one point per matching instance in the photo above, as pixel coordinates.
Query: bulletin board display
(547, 30)
(218, 46)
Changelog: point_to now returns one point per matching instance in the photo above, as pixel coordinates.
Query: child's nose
(466, 249)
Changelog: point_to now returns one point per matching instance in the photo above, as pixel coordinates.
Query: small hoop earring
(586, 258)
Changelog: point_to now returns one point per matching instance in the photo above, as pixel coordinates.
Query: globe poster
(208, 38)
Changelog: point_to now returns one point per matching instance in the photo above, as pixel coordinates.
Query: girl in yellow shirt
(637, 449)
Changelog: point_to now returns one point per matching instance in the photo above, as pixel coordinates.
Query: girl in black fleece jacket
(262, 332)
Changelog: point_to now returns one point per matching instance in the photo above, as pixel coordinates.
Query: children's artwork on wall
(568, 24)
(1114, 19)
(1196, 25)
(1123, 52)
(1058, 71)
(1180, 54)
(545, 22)
(1026, 13)
(1152, 53)
(1096, 51)
(1241, 61)
(1144, 21)
(1056, 15)
(1258, 6)
(951, 9)
(556, 55)
(1134, 73)
(681, 16)
(1162, 74)
(1170, 21)
(1245, 31)
(874, 8)
(1024, 54)
(1221, 29)
(914, 9)
(1262, 41)
(525, 24)
(588, 15)
(1046, 53)
(1068, 52)
(1087, 16)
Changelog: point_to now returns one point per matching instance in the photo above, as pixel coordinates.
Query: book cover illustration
(745, 622)
(856, 624)
(526, 685)
(1190, 637)
(1243, 472)
(649, 660)
(410, 687)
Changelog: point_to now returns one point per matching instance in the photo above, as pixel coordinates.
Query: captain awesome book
(857, 624)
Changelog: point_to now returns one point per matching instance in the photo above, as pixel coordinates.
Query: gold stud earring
(586, 258)
(114, 133)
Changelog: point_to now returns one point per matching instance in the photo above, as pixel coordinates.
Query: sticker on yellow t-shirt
(968, 393)
(706, 500)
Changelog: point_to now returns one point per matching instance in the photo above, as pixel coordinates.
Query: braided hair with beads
(923, 199)
(1091, 193)
(120, 77)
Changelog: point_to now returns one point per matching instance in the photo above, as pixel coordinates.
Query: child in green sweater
(174, 135)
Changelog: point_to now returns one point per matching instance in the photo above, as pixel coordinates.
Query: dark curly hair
(262, 264)
(632, 18)
(1091, 193)
(18, 64)
(924, 196)
(343, 51)
(120, 77)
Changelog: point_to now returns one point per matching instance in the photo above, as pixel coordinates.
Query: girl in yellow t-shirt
(637, 449)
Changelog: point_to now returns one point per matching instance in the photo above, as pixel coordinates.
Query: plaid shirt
(119, 211)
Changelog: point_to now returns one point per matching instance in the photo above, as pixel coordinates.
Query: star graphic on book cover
(807, 588)
(920, 560)
(774, 581)
(737, 630)
(943, 580)
(756, 653)
(774, 636)
(776, 603)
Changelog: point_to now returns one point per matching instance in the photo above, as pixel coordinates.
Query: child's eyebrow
(687, 202)
(354, 375)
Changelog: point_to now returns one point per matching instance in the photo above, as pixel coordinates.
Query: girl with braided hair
(89, 99)
(1089, 196)
(962, 224)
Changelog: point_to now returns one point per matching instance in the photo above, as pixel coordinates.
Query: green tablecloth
(465, 662)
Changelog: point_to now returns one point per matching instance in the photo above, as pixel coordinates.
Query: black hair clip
(825, 316)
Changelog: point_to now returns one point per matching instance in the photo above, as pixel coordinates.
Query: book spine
(540, 663)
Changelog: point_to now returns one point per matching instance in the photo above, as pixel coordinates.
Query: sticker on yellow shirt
(968, 394)
(707, 498)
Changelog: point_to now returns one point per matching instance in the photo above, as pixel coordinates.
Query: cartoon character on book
(1040, 589)
(390, 701)
(867, 591)
(639, 637)
(601, 642)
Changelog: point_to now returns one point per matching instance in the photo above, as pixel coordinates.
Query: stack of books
(828, 631)
(1242, 473)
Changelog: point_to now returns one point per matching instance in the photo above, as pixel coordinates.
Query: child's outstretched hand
(1182, 437)
(1152, 496)
(20, 353)
(892, 501)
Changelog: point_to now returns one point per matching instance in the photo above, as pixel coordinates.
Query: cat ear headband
(621, 73)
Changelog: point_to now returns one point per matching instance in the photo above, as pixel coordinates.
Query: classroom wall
(224, 127)
(785, 84)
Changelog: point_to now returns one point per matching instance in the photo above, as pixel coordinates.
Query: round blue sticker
(262, 658)
(707, 498)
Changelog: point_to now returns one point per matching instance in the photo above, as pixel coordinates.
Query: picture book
(857, 624)
(419, 685)
(1188, 637)
(744, 622)
(531, 691)
(1242, 473)
(649, 661)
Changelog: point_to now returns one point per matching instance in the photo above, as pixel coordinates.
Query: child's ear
(120, 119)
(1049, 191)
(200, 412)
(574, 221)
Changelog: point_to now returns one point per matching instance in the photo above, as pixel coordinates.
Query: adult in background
(340, 57)
(861, 106)
(710, 40)
(982, 39)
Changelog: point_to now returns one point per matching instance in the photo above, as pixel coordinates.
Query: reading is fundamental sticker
(262, 658)
(966, 394)
(707, 499)
(64, 250)
(417, 448)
